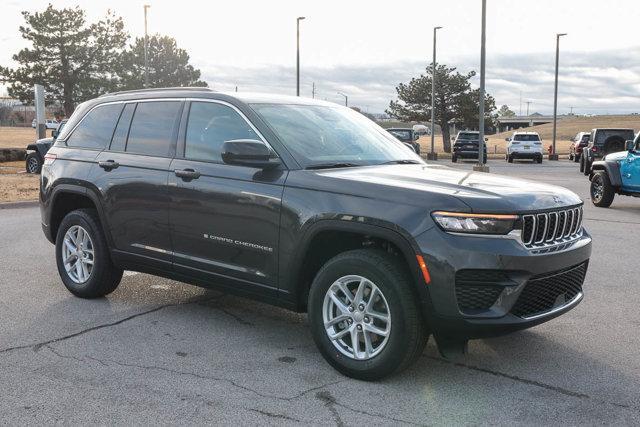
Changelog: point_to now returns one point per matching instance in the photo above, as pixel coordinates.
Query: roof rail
(159, 89)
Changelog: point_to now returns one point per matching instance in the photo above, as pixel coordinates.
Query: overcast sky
(365, 48)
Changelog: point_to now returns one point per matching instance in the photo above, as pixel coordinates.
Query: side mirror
(453, 138)
(248, 152)
(486, 139)
(507, 139)
(629, 145)
(416, 137)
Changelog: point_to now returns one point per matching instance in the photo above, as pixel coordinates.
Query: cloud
(591, 82)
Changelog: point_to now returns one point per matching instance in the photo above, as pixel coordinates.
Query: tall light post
(146, 48)
(300, 18)
(432, 155)
(553, 155)
(346, 99)
(481, 166)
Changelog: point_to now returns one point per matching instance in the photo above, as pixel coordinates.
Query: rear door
(225, 218)
(132, 177)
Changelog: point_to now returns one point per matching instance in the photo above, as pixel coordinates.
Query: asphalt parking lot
(160, 352)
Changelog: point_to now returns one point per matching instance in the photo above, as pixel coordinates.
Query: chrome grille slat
(547, 229)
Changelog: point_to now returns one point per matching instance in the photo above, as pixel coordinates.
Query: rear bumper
(526, 154)
(513, 306)
(468, 154)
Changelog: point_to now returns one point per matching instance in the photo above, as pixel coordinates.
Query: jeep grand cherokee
(309, 206)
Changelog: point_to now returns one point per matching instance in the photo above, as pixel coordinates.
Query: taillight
(594, 149)
(49, 158)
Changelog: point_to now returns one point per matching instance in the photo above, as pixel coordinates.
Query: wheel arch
(69, 197)
(612, 169)
(327, 238)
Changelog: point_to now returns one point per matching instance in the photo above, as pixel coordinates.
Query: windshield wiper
(332, 165)
(401, 162)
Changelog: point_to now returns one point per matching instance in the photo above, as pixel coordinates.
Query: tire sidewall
(100, 256)
(392, 355)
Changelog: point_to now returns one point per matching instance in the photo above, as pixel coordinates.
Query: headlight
(456, 222)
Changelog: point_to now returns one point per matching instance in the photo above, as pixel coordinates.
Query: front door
(630, 171)
(225, 219)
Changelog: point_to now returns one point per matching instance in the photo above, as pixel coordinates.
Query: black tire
(603, 198)
(571, 156)
(510, 158)
(587, 167)
(408, 333)
(576, 158)
(581, 164)
(454, 159)
(104, 277)
(33, 163)
(539, 159)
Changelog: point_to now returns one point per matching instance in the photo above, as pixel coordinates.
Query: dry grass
(13, 137)
(19, 187)
(566, 129)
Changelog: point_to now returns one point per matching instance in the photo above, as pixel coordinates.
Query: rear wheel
(587, 167)
(454, 159)
(82, 256)
(576, 158)
(571, 156)
(33, 164)
(364, 316)
(602, 192)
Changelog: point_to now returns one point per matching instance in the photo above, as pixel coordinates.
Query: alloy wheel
(78, 254)
(597, 189)
(356, 317)
(32, 165)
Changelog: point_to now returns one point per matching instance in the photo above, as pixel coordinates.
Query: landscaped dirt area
(17, 137)
(18, 187)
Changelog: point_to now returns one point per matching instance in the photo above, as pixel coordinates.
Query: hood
(48, 141)
(481, 192)
(616, 157)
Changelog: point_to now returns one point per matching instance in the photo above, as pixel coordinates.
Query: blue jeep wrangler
(616, 173)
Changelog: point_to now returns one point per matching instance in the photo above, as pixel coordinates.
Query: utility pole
(481, 167)
(346, 99)
(313, 90)
(236, 88)
(528, 103)
(432, 155)
(38, 101)
(146, 48)
(571, 111)
(300, 18)
(520, 102)
(554, 155)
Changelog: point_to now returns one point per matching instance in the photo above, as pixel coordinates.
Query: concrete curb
(18, 205)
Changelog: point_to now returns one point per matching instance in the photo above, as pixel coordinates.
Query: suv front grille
(552, 290)
(551, 228)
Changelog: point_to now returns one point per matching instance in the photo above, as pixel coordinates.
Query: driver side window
(209, 126)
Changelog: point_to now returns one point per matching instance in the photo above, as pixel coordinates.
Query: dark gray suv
(309, 206)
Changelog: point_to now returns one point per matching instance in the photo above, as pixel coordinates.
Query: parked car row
(49, 123)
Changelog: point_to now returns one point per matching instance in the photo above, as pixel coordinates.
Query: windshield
(317, 135)
(402, 135)
(526, 138)
(468, 136)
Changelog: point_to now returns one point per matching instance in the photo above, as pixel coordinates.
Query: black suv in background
(37, 150)
(407, 136)
(313, 207)
(602, 142)
(466, 145)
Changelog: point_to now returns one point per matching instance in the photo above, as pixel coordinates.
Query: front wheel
(33, 164)
(602, 192)
(364, 316)
(454, 159)
(82, 256)
(510, 158)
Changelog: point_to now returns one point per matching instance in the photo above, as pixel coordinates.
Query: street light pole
(481, 166)
(300, 18)
(553, 155)
(146, 48)
(432, 155)
(346, 99)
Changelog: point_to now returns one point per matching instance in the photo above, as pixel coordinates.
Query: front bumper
(505, 272)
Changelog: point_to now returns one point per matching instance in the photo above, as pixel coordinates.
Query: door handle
(108, 165)
(187, 174)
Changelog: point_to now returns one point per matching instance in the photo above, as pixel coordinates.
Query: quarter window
(96, 129)
(152, 128)
(209, 126)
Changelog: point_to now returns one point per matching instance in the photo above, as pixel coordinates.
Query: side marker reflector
(424, 269)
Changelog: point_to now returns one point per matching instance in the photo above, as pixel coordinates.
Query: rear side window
(152, 128)
(96, 129)
(119, 140)
(209, 126)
